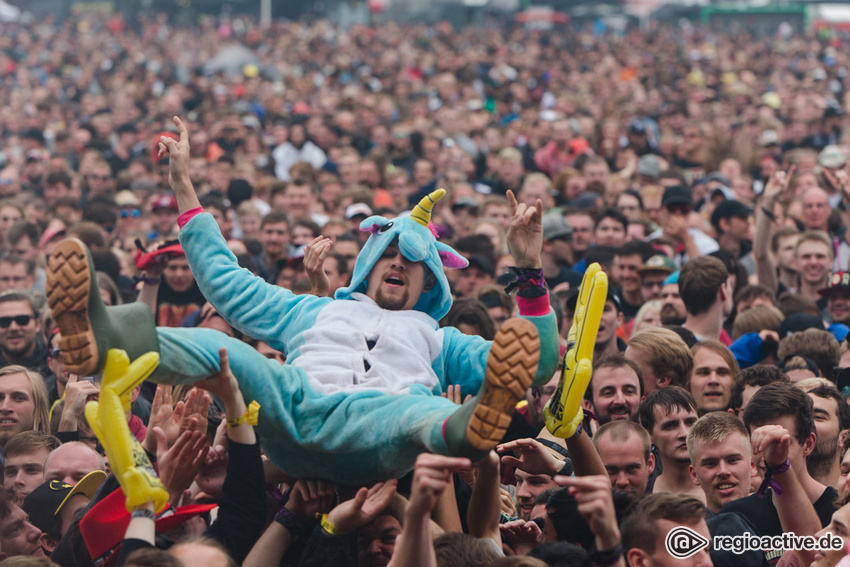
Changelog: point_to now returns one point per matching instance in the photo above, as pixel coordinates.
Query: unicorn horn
(422, 212)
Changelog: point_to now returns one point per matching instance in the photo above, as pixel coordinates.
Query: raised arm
(765, 266)
(178, 167)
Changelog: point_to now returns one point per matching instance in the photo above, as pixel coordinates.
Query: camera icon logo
(683, 542)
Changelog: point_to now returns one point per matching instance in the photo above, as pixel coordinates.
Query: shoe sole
(511, 367)
(68, 287)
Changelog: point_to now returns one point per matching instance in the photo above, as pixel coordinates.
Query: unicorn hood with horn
(418, 243)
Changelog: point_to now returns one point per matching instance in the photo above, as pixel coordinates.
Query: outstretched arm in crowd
(765, 265)
(485, 504)
(535, 458)
(178, 169)
(242, 506)
(596, 505)
(296, 519)
(315, 254)
(431, 477)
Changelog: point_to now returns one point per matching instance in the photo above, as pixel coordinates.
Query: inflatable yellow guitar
(563, 413)
(108, 420)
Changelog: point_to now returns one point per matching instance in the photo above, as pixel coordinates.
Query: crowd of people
(708, 175)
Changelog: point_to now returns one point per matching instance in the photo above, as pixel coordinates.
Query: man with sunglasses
(20, 334)
(676, 207)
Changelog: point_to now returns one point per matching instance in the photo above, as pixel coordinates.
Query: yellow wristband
(250, 416)
(329, 528)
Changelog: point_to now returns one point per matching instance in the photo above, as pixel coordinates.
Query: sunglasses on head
(20, 321)
(135, 213)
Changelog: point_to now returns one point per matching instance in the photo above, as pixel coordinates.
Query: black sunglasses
(55, 353)
(20, 320)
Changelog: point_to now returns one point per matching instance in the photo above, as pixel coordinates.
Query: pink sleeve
(533, 307)
(187, 216)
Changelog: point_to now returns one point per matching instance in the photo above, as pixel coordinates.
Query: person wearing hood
(359, 396)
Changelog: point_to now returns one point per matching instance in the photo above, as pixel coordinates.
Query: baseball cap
(658, 263)
(166, 202)
(104, 525)
(126, 198)
(729, 208)
(355, 209)
(717, 176)
(838, 280)
(48, 499)
(649, 165)
(676, 195)
(482, 264)
(555, 226)
(831, 157)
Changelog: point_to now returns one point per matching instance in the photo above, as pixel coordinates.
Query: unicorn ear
(450, 258)
(373, 224)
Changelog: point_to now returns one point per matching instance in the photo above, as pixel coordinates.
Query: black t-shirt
(173, 306)
(762, 514)
(733, 524)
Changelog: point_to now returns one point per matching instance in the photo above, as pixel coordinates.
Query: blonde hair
(668, 354)
(40, 422)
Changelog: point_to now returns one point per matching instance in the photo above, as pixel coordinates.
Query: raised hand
(596, 505)
(777, 185)
(179, 464)
(77, 393)
(773, 442)
(534, 458)
(525, 235)
(310, 497)
(431, 476)
(314, 261)
(366, 505)
(178, 167)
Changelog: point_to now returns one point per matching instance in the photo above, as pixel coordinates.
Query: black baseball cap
(677, 195)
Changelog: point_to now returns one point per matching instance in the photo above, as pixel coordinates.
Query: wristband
(768, 213)
(143, 513)
(607, 557)
(331, 529)
(768, 478)
(292, 522)
(250, 416)
(147, 280)
(526, 279)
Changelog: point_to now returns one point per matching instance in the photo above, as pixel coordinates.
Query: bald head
(71, 462)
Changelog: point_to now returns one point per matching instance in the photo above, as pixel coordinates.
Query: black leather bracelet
(768, 213)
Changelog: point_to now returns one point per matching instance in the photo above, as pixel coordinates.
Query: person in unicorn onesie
(359, 396)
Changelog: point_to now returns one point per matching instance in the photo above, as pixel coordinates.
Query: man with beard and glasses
(832, 419)
(672, 307)
(615, 389)
(668, 415)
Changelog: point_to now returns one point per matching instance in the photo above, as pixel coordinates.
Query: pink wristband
(533, 306)
(187, 216)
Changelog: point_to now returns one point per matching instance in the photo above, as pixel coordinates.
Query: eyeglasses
(98, 177)
(651, 285)
(20, 321)
(6, 180)
(135, 213)
(55, 353)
